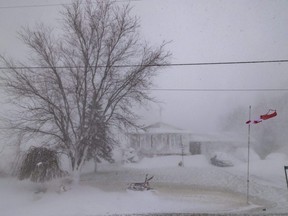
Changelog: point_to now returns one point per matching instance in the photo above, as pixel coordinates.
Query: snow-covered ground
(198, 187)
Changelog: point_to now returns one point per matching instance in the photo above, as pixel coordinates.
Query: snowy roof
(164, 128)
(161, 127)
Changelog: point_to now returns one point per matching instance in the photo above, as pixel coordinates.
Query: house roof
(160, 127)
(164, 128)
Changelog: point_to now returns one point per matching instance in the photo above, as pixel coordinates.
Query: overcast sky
(199, 31)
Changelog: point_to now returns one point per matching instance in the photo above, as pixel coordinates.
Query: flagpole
(248, 160)
(262, 117)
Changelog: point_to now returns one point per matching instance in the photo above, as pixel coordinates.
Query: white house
(160, 139)
(165, 139)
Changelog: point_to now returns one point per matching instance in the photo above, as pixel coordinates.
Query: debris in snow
(63, 188)
(180, 164)
(141, 186)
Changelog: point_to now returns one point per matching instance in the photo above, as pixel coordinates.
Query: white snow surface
(198, 187)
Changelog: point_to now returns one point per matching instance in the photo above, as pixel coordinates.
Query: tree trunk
(77, 164)
(95, 165)
(76, 176)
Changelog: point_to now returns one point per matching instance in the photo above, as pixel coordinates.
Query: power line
(32, 6)
(229, 63)
(178, 65)
(217, 90)
(49, 5)
(152, 65)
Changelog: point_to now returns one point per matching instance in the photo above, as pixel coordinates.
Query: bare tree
(86, 78)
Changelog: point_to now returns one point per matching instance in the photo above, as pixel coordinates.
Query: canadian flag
(268, 115)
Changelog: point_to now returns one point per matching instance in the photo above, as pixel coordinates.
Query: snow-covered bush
(130, 155)
(242, 154)
(40, 164)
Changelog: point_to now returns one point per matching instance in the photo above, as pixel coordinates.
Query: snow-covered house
(165, 139)
(160, 139)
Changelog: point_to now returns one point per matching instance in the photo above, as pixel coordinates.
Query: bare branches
(75, 106)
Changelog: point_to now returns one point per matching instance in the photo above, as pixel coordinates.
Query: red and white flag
(268, 115)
